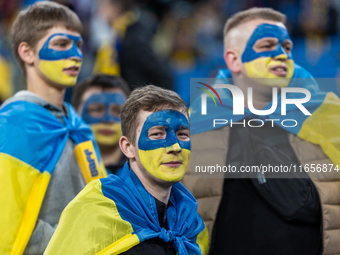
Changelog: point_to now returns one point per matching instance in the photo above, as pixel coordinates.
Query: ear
(127, 147)
(231, 58)
(26, 53)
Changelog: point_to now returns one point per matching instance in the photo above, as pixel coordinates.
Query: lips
(71, 70)
(279, 70)
(106, 132)
(173, 164)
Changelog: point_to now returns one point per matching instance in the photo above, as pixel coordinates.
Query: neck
(153, 186)
(262, 94)
(52, 94)
(110, 154)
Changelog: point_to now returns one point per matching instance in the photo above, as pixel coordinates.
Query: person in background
(99, 99)
(260, 213)
(129, 54)
(144, 209)
(47, 153)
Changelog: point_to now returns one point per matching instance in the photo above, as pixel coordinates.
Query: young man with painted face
(47, 153)
(99, 99)
(260, 215)
(143, 210)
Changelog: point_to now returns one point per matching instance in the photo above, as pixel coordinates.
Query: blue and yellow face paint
(166, 159)
(53, 62)
(102, 112)
(259, 63)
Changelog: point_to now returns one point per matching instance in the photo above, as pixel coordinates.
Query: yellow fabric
(88, 162)
(152, 161)
(105, 61)
(22, 190)
(323, 127)
(121, 245)
(6, 85)
(203, 240)
(101, 230)
(107, 56)
(121, 24)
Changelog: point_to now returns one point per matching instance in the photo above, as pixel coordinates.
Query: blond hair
(252, 14)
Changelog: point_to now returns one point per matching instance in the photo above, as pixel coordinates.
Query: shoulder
(89, 224)
(300, 72)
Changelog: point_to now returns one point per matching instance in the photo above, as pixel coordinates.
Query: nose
(77, 54)
(76, 58)
(281, 57)
(175, 148)
(281, 54)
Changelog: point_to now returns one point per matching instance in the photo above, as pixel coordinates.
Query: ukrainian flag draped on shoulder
(321, 127)
(31, 142)
(113, 214)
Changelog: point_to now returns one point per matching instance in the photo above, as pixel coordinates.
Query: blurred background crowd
(177, 39)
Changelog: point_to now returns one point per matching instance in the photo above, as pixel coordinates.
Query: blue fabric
(201, 123)
(138, 207)
(173, 121)
(32, 134)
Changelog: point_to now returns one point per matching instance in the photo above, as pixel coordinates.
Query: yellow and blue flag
(31, 142)
(113, 214)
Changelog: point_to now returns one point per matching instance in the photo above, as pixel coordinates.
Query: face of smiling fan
(58, 57)
(163, 144)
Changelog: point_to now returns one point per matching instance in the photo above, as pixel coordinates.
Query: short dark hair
(103, 81)
(33, 23)
(148, 98)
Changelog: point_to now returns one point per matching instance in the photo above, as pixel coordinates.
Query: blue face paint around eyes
(173, 121)
(106, 99)
(263, 31)
(49, 54)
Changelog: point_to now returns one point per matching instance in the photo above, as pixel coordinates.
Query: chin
(173, 174)
(274, 81)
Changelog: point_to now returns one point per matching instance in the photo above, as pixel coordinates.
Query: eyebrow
(288, 41)
(61, 37)
(65, 38)
(155, 127)
(183, 127)
(266, 38)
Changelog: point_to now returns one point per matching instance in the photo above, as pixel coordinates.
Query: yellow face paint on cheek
(154, 162)
(107, 134)
(53, 70)
(260, 69)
